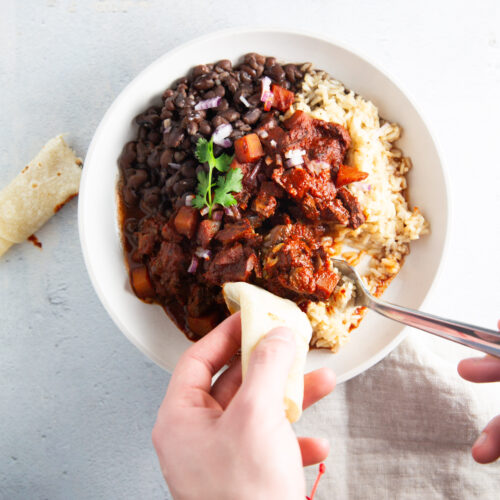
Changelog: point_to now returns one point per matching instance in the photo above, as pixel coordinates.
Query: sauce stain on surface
(35, 241)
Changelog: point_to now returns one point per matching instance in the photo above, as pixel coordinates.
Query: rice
(378, 247)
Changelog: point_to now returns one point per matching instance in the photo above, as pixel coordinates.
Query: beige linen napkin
(404, 428)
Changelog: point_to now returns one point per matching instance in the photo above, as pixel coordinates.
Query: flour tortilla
(32, 198)
(261, 311)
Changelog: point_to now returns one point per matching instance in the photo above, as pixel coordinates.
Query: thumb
(268, 368)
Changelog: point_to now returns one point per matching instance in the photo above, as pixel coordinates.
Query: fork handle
(479, 338)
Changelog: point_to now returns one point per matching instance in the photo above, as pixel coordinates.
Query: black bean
(187, 170)
(236, 134)
(154, 136)
(175, 137)
(223, 105)
(151, 197)
(254, 99)
(166, 158)
(137, 179)
(218, 120)
(230, 115)
(142, 152)
(169, 104)
(183, 185)
(252, 116)
(245, 77)
(153, 160)
(220, 91)
(232, 85)
(179, 156)
(291, 72)
(199, 70)
(172, 180)
(270, 61)
(276, 72)
(129, 196)
(180, 100)
(248, 69)
(205, 128)
(224, 64)
(129, 153)
(167, 93)
(143, 133)
(251, 59)
(203, 82)
(192, 128)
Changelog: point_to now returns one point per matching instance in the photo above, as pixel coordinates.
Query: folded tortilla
(261, 311)
(50, 180)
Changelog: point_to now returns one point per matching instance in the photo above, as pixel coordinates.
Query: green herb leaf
(226, 185)
(203, 150)
(222, 162)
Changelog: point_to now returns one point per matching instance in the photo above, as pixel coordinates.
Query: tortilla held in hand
(50, 180)
(261, 311)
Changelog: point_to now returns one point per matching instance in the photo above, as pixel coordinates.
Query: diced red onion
(167, 125)
(217, 215)
(221, 134)
(175, 166)
(291, 153)
(263, 134)
(204, 211)
(363, 186)
(244, 101)
(317, 166)
(253, 174)
(266, 87)
(279, 160)
(273, 143)
(233, 212)
(193, 266)
(203, 253)
(189, 200)
(294, 161)
(213, 102)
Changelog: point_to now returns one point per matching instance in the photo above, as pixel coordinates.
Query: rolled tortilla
(261, 311)
(51, 179)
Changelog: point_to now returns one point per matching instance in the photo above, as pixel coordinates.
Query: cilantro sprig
(224, 185)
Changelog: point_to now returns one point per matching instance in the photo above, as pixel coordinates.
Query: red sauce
(35, 241)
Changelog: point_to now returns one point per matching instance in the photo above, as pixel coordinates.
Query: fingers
(317, 385)
(313, 450)
(268, 368)
(204, 359)
(227, 384)
(487, 447)
(485, 369)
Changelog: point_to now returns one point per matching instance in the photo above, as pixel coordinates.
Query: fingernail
(281, 333)
(481, 439)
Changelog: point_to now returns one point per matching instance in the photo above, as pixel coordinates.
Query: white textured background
(77, 401)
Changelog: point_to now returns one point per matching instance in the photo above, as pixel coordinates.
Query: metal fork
(479, 338)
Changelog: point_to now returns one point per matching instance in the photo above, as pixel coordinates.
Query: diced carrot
(347, 174)
(283, 98)
(141, 283)
(248, 148)
(186, 221)
(201, 326)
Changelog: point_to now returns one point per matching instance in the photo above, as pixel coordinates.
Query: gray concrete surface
(77, 400)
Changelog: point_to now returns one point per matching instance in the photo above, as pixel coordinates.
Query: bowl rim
(447, 200)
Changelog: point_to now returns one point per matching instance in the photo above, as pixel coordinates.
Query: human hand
(232, 440)
(486, 449)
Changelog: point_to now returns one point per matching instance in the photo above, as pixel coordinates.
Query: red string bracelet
(321, 471)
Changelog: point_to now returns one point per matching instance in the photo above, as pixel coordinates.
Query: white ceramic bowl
(147, 326)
